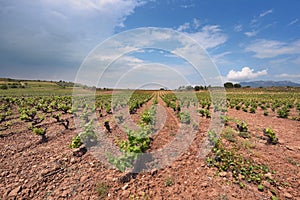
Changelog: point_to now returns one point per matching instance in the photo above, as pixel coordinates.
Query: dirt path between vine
(51, 171)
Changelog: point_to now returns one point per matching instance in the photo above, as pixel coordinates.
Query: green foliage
(3, 87)
(88, 135)
(202, 112)
(27, 114)
(236, 85)
(185, 117)
(252, 110)
(229, 134)
(260, 187)
(76, 142)
(124, 161)
(148, 117)
(169, 181)
(212, 137)
(272, 139)
(245, 109)
(242, 126)
(283, 112)
(224, 119)
(39, 131)
(274, 198)
(2, 117)
(155, 101)
(8, 124)
(138, 142)
(244, 134)
(228, 85)
(243, 129)
(64, 107)
(102, 189)
(242, 169)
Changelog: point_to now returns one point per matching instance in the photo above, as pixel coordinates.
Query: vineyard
(49, 142)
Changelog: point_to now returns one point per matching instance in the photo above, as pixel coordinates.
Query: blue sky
(247, 40)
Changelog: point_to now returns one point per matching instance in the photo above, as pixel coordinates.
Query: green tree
(3, 87)
(228, 85)
(197, 88)
(237, 85)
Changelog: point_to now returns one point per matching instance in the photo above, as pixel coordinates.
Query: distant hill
(256, 84)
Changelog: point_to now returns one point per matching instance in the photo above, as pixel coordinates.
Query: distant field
(37, 89)
(34, 88)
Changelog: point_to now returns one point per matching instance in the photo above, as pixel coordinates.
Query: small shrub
(3, 87)
(244, 134)
(88, 135)
(242, 126)
(185, 117)
(41, 132)
(243, 170)
(266, 113)
(245, 109)
(272, 139)
(102, 189)
(229, 134)
(260, 187)
(283, 112)
(252, 110)
(224, 119)
(169, 181)
(207, 114)
(76, 142)
(274, 198)
(212, 137)
(243, 129)
(202, 112)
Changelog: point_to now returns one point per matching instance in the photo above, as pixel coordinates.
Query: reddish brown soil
(33, 170)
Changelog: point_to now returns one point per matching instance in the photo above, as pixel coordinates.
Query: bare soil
(33, 170)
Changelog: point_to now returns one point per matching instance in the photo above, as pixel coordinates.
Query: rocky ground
(33, 170)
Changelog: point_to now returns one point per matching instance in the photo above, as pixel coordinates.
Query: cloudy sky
(246, 40)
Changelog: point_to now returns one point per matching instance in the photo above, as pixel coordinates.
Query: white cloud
(266, 13)
(251, 33)
(219, 58)
(238, 28)
(279, 61)
(50, 35)
(117, 57)
(210, 36)
(184, 27)
(255, 23)
(272, 48)
(293, 22)
(245, 74)
(187, 6)
(196, 23)
(288, 76)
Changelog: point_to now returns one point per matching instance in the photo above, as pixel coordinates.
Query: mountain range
(255, 84)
